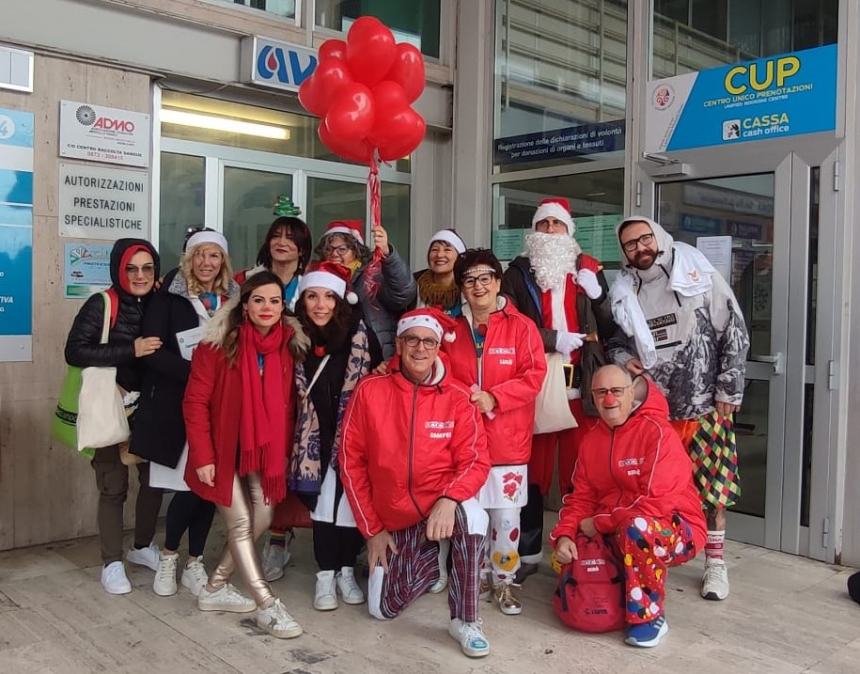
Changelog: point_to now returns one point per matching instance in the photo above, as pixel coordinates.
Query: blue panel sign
(276, 64)
(773, 97)
(572, 141)
(16, 235)
(87, 269)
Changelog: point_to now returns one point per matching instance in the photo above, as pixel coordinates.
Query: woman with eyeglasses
(343, 244)
(498, 352)
(133, 269)
(285, 251)
(336, 349)
(436, 285)
(177, 315)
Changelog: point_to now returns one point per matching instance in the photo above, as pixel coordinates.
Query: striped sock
(714, 547)
(278, 538)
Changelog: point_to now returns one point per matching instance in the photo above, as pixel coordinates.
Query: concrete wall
(47, 492)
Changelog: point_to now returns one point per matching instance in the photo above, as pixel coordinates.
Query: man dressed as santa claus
(563, 291)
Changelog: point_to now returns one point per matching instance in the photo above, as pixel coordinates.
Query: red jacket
(212, 409)
(512, 369)
(638, 468)
(406, 445)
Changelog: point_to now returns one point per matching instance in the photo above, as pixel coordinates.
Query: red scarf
(263, 424)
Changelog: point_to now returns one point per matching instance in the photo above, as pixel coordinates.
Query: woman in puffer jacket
(343, 243)
(134, 266)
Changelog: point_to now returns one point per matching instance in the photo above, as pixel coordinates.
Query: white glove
(587, 280)
(567, 342)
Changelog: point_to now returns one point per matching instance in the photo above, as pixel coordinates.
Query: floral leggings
(648, 548)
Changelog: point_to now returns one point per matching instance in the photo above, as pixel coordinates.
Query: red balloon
(408, 70)
(404, 133)
(354, 150)
(389, 100)
(350, 115)
(316, 92)
(333, 49)
(370, 50)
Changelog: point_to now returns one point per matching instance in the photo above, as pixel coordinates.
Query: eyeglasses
(427, 342)
(342, 249)
(480, 279)
(146, 270)
(615, 391)
(633, 244)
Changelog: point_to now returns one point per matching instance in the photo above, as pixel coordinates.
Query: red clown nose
(609, 400)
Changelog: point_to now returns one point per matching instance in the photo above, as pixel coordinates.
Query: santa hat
(351, 227)
(329, 275)
(199, 238)
(450, 237)
(555, 207)
(428, 317)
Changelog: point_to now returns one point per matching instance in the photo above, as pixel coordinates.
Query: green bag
(64, 427)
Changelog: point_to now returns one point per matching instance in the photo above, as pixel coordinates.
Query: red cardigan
(212, 408)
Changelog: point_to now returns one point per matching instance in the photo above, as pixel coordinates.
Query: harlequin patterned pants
(501, 558)
(648, 548)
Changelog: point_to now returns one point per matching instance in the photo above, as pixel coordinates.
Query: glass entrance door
(744, 224)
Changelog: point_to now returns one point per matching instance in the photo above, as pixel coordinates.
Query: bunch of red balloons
(362, 90)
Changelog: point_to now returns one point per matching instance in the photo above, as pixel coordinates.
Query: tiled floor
(785, 614)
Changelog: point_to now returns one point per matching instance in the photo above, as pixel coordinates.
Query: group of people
(398, 410)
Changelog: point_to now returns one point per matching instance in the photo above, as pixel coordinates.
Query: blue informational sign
(572, 141)
(16, 235)
(87, 269)
(773, 97)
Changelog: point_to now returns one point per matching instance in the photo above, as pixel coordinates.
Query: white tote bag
(101, 415)
(552, 410)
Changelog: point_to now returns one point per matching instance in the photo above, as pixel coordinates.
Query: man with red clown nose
(633, 482)
(563, 291)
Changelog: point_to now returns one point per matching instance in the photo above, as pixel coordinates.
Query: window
(596, 200)
(561, 77)
(284, 8)
(182, 203)
(416, 21)
(692, 35)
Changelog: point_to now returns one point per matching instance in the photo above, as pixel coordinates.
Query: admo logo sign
(87, 116)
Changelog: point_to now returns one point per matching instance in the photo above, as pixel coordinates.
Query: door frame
(790, 161)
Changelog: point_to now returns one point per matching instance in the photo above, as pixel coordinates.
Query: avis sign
(275, 64)
(104, 134)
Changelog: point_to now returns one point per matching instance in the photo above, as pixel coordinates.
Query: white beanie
(199, 238)
(451, 238)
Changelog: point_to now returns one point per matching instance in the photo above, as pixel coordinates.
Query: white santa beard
(552, 257)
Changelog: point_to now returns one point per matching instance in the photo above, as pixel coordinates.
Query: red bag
(291, 513)
(590, 592)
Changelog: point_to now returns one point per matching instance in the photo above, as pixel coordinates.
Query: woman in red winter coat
(238, 411)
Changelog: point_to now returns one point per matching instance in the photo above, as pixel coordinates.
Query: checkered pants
(415, 568)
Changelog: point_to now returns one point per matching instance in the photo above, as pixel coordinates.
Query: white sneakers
(329, 584)
(148, 556)
(275, 558)
(164, 583)
(348, 588)
(114, 580)
(715, 582)
(194, 575)
(226, 598)
(325, 595)
(470, 636)
(277, 622)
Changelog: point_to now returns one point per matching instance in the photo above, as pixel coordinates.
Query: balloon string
(373, 273)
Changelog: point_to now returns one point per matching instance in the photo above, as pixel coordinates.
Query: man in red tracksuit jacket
(633, 481)
(413, 457)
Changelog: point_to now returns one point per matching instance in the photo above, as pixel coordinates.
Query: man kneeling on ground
(414, 455)
(633, 480)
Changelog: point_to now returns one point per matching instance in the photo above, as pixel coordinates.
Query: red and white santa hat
(450, 237)
(351, 228)
(331, 276)
(428, 317)
(205, 236)
(555, 207)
